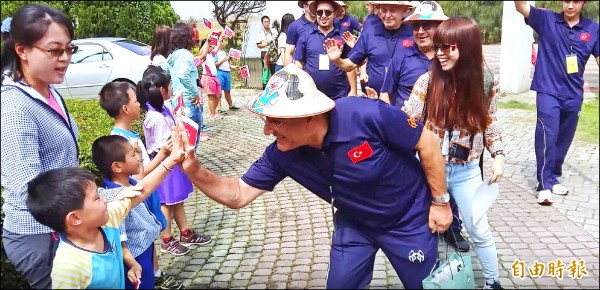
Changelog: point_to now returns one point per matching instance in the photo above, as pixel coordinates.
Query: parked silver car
(102, 60)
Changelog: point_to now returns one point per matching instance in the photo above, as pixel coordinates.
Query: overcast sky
(203, 9)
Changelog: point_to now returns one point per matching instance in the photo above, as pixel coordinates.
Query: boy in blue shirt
(89, 252)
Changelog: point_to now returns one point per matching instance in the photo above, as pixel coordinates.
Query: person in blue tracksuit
(566, 41)
(345, 152)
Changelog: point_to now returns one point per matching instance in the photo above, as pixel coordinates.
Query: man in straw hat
(406, 67)
(310, 54)
(377, 45)
(296, 30)
(346, 153)
(345, 21)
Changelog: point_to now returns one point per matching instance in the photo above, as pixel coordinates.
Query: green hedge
(93, 122)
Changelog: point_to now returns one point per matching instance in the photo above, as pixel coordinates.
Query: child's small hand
(165, 149)
(129, 192)
(135, 274)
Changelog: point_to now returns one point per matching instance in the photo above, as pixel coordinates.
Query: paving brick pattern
(282, 239)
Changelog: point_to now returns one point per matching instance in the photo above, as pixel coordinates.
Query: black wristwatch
(443, 200)
(499, 152)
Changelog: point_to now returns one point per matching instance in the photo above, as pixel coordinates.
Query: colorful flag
(228, 32)
(234, 53)
(207, 23)
(245, 71)
(191, 127)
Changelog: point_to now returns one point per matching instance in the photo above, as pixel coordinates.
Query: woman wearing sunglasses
(451, 101)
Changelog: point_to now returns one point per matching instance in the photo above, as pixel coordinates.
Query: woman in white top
(286, 20)
(160, 45)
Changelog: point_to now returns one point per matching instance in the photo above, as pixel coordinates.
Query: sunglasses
(426, 26)
(444, 47)
(325, 13)
(58, 52)
(273, 124)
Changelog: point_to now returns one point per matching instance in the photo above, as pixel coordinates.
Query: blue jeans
(462, 180)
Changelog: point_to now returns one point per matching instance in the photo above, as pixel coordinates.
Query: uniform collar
(560, 18)
(335, 130)
(315, 28)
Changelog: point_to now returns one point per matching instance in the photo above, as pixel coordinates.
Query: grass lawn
(588, 127)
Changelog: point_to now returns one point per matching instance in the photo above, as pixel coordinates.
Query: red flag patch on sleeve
(585, 37)
(360, 153)
(407, 43)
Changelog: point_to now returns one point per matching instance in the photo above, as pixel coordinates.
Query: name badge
(323, 62)
(572, 66)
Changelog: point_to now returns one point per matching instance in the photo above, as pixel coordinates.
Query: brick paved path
(282, 239)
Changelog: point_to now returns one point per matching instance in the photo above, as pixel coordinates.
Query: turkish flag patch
(360, 153)
(585, 37)
(346, 24)
(407, 43)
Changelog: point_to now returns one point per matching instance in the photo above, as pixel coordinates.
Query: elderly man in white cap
(405, 68)
(346, 153)
(377, 45)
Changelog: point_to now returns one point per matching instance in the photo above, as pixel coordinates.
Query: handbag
(454, 273)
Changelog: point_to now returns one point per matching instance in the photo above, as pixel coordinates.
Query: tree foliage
(357, 9)
(130, 19)
(234, 11)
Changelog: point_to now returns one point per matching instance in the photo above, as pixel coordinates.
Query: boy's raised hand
(129, 192)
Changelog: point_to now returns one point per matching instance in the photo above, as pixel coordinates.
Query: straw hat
(427, 11)
(336, 7)
(290, 93)
(402, 3)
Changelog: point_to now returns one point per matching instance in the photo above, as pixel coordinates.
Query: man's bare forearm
(432, 162)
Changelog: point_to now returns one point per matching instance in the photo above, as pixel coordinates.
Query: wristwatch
(443, 200)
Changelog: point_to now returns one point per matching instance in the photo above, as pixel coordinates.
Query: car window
(90, 53)
(135, 46)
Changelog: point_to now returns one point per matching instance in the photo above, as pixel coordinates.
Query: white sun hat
(427, 11)
(290, 93)
(342, 3)
(401, 3)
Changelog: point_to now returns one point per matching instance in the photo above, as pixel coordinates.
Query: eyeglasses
(325, 13)
(273, 124)
(444, 47)
(58, 52)
(426, 26)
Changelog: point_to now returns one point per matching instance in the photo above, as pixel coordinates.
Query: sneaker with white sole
(544, 197)
(559, 189)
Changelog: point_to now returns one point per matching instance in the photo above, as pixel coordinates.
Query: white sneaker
(559, 189)
(545, 197)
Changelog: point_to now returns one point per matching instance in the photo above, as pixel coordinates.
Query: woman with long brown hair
(458, 102)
